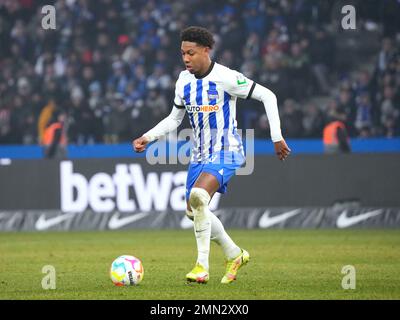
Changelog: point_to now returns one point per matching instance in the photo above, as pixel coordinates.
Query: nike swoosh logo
(116, 222)
(266, 221)
(344, 221)
(43, 224)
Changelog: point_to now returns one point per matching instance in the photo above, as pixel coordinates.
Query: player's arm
(240, 86)
(268, 98)
(170, 123)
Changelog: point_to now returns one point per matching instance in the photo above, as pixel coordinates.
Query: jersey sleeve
(238, 85)
(178, 100)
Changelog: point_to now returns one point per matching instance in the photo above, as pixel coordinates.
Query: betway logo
(104, 192)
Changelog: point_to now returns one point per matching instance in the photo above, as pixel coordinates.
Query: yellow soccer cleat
(233, 266)
(199, 274)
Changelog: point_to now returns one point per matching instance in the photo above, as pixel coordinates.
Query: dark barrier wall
(372, 179)
(131, 184)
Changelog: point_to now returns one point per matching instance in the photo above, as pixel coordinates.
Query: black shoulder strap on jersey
(251, 90)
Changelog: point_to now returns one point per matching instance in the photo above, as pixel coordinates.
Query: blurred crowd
(367, 102)
(109, 68)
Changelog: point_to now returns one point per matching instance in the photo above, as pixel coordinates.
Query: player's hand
(139, 144)
(281, 149)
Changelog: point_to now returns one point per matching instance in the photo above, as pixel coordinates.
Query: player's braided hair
(198, 35)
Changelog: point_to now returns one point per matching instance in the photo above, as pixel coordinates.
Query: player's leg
(210, 174)
(235, 256)
(209, 224)
(218, 234)
(199, 198)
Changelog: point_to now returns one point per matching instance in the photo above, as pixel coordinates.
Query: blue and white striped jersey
(210, 102)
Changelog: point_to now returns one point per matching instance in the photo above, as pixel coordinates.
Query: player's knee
(199, 198)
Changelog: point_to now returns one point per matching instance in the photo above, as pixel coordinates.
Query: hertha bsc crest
(212, 95)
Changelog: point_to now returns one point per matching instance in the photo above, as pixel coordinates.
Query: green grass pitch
(285, 264)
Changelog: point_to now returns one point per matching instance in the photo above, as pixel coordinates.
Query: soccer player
(208, 91)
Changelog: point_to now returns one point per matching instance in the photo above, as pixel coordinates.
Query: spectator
(364, 112)
(321, 55)
(386, 55)
(335, 137)
(297, 63)
(275, 77)
(119, 79)
(117, 122)
(313, 121)
(292, 120)
(81, 119)
(254, 17)
(159, 79)
(389, 113)
(347, 105)
(262, 127)
(55, 137)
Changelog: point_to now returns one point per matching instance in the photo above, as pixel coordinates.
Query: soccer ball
(126, 271)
